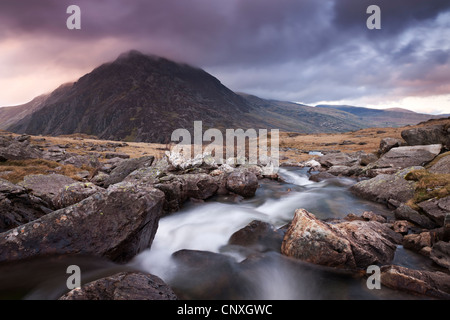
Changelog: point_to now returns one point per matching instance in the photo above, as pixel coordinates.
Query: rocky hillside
(145, 98)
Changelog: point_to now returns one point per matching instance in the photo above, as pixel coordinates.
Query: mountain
(393, 117)
(137, 98)
(144, 98)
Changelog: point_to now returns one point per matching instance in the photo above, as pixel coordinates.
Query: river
(222, 271)
(208, 226)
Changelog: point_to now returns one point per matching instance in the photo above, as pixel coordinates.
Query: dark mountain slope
(145, 98)
(138, 98)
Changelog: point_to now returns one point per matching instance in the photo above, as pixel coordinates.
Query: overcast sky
(309, 51)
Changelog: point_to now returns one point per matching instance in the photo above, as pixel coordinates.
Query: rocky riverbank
(412, 177)
(110, 204)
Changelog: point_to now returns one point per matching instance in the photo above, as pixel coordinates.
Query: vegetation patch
(15, 170)
(429, 185)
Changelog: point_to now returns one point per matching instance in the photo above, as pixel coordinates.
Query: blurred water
(208, 226)
(231, 273)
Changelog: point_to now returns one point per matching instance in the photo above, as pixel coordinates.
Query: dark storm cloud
(306, 50)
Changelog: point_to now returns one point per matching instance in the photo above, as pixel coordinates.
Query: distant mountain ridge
(145, 98)
(392, 117)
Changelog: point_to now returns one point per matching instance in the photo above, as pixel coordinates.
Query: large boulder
(349, 244)
(385, 187)
(18, 207)
(117, 223)
(403, 157)
(45, 186)
(437, 134)
(429, 283)
(123, 286)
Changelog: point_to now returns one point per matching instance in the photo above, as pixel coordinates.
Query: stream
(208, 226)
(216, 270)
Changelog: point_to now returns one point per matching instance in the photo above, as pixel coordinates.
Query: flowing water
(221, 271)
(208, 226)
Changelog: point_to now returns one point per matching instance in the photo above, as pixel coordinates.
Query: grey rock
(404, 212)
(437, 134)
(440, 253)
(368, 158)
(387, 144)
(18, 207)
(436, 209)
(385, 187)
(123, 286)
(242, 182)
(337, 159)
(258, 235)
(442, 166)
(428, 283)
(46, 187)
(403, 157)
(13, 149)
(349, 244)
(321, 176)
(180, 188)
(125, 167)
(74, 193)
(116, 224)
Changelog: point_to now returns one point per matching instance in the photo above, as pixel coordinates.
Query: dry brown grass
(15, 170)
(429, 185)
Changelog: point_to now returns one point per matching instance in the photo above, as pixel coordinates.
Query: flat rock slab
(385, 187)
(47, 186)
(403, 157)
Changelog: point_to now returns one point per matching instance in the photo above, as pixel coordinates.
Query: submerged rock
(258, 235)
(243, 183)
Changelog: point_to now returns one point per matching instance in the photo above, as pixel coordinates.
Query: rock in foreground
(123, 286)
(350, 245)
(117, 223)
(434, 284)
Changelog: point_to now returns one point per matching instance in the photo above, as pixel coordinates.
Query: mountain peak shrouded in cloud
(296, 50)
(144, 98)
